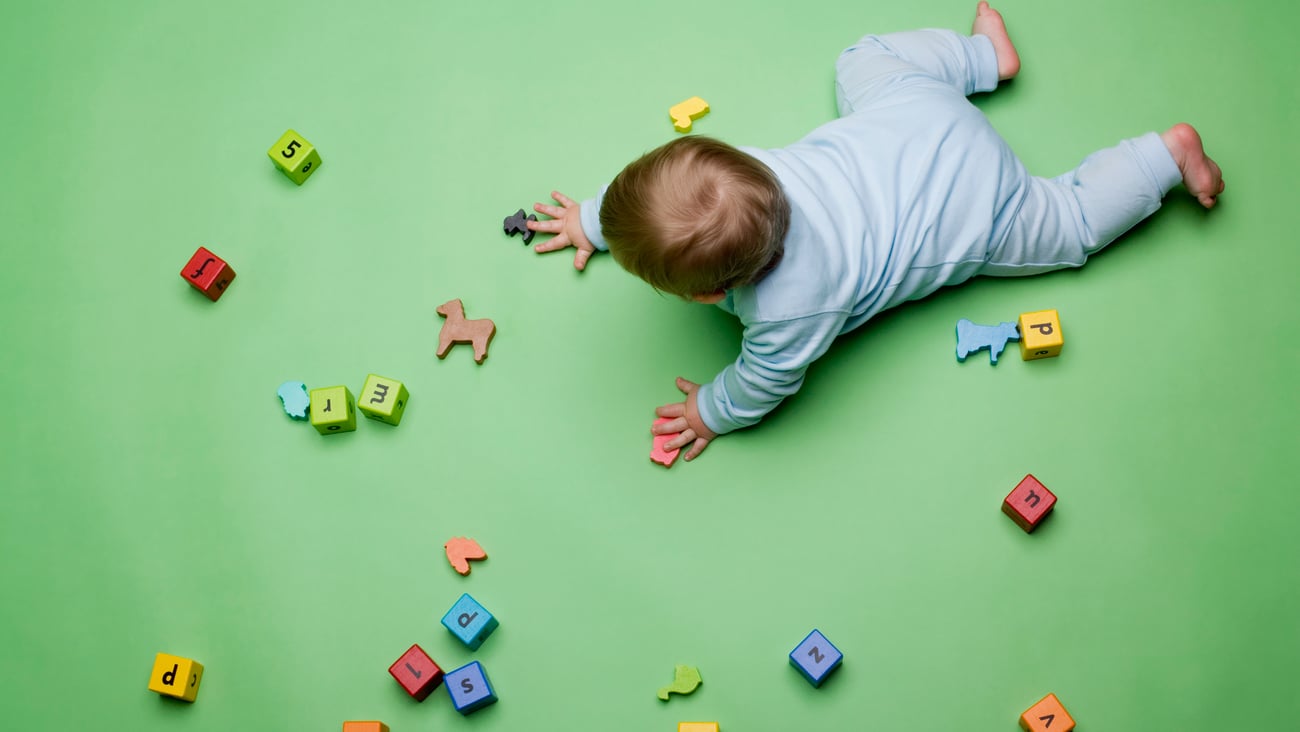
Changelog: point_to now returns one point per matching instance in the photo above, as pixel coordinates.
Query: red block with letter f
(208, 273)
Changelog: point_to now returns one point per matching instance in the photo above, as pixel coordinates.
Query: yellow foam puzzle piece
(683, 112)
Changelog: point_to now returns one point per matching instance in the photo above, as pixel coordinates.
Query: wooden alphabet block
(294, 156)
(176, 677)
(208, 274)
(1046, 716)
(697, 727)
(365, 727)
(383, 399)
(1028, 503)
(332, 410)
(816, 658)
(1040, 335)
(469, 688)
(416, 672)
(470, 622)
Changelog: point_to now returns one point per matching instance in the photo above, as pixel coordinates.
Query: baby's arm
(773, 359)
(566, 224)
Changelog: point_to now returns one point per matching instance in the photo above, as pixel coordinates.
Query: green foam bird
(684, 682)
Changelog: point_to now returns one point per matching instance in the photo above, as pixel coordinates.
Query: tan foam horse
(457, 329)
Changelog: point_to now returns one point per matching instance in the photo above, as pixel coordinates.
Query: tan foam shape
(456, 329)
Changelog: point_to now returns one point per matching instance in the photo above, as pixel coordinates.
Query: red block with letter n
(208, 273)
(1029, 503)
(416, 672)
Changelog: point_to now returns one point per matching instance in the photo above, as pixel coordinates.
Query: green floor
(156, 498)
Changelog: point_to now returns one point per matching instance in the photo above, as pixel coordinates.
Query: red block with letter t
(1029, 503)
(208, 273)
(416, 672)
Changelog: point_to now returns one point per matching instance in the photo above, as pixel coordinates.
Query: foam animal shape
(683, 112)
(685, 680)
(517, 223)
(658, 454)
(457, 329)
(293, 395)
(460, 550)
(972, 337)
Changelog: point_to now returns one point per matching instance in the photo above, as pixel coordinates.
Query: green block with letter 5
(295, 156)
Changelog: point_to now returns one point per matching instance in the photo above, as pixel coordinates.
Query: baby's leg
(968, 64)
(1067, 218)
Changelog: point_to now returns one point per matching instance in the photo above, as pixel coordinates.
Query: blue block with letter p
(470, 622)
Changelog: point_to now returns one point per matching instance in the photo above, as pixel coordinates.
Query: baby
(909, 190)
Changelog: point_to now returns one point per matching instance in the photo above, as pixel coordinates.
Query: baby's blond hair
(695, 217)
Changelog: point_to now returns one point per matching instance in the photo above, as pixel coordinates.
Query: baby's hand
(686, 420)
(566, 224)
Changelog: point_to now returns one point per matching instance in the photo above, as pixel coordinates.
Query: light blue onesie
(909, 190)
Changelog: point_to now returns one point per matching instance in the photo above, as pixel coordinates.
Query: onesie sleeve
(590, 215)
(773, 359)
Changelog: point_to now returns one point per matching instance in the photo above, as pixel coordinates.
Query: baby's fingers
(554, 212)
(563, 199)
(669, 428)
(696, 449)
(553, 226)
(680, 441)
(580, 259)
(551, 245)
(676, 409)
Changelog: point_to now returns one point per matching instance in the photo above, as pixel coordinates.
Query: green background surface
(156, 498)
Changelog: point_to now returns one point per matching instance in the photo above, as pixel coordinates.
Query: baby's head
(696, 217)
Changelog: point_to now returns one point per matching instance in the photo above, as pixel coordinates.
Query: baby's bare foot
(988, 22)
(1201, 175)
